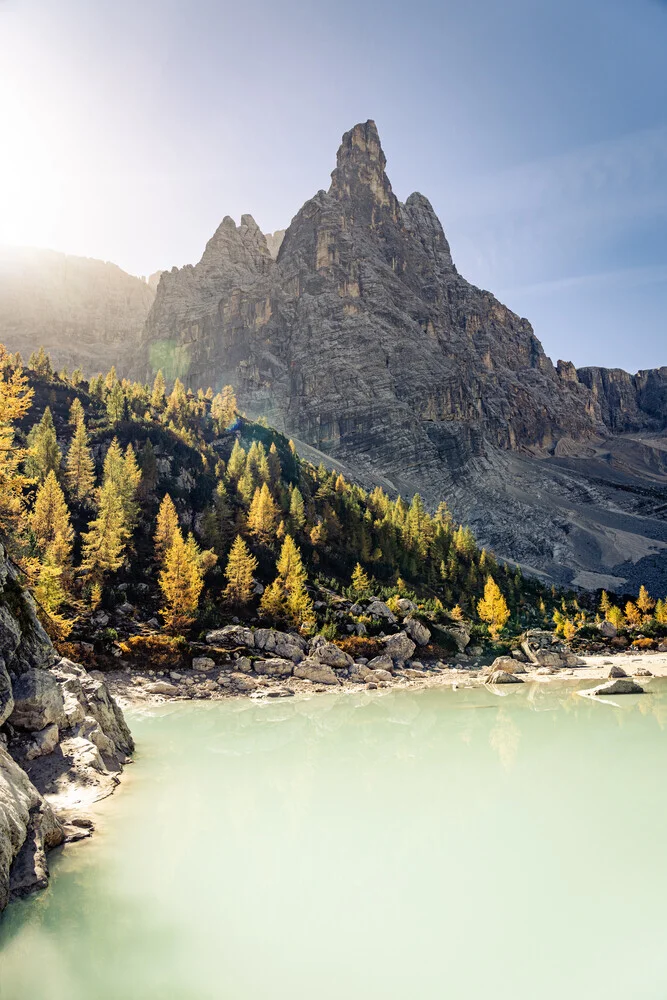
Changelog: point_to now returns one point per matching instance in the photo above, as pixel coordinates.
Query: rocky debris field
(265, 663)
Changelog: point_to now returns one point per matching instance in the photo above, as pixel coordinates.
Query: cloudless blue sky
(537, 129)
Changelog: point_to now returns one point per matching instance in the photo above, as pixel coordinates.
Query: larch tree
(297, 509)
(361, 583)
(166, 528)
(116, 404)
(105, 542)
(633, 615)
(236, 464)
(239, 574)
(15, 400)
(218, 523)
(44, 455)
(492, 608)
(50, 521)
(80, 467)
(159, 393)
(181, 582)
(288, 590)
(645, 602)
(263, 515)
(76, 412)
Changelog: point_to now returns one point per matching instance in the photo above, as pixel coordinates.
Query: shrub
(360, 645)
(161, 652)
(644, 643)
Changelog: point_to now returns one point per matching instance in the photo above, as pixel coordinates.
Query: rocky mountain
(85, 312)
(360, 339)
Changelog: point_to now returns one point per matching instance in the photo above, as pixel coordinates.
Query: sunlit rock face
(85, 312)
(361, 340)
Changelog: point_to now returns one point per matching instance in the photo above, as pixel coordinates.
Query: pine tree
(275, 470)
(80, 467)
(116, 404)
(263, 515)
(645, 602)
(44, 455)
(246, 487)
(166, 528)
(223, 408)
(218, 524)
(236, 464)
(50, 520)
(123, 471)
(41, 363)
(181, 583)
(105, 542)
(239, 571)
(605, 603)
(361, 583)
(76, 412)
(15, 400)
(297, 510)
(492, 608)
(158, 395)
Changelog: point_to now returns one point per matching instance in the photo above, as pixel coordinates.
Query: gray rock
(243, 682)
(418, 632)
(38, 700)
(459, 634)
(312, 670)
(274, 667)
(381, 663)
(161, 687)
(378, 609)
(399, 647)
(617, 671)
(202, 663)
(406, 606)
(44, 742)
(282, 644)
(503, 677)
(622, 685)
(331, 655)
(243, 664)
(608, 630)
(508, 664)
(231, 635)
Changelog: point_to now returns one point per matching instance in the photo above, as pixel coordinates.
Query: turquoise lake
(373, 846)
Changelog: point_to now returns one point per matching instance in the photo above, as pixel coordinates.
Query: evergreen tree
(181, 583)
(263, 515)
(492, 608)
(615, 616)
(49, 590)
(76, 412)
(223, 408)
(50, 520)
(605, 604)
(80, 467)
(236, 464)
(633, 615)
(123, 471)
(105, 542)
(41, 363)
(166, 528)
(241, 566)
(116, 404)
(661, 612)
(275, 470)
(297, 510)
(44, 455)
(218, 523)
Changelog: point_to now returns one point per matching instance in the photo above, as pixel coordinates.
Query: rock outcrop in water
(63, 742)
(362, 341)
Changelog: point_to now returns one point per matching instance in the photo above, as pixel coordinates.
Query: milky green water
(438, 844)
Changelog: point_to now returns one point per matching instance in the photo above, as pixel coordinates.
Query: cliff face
(63, 742)
(85, 312)
(357, 336)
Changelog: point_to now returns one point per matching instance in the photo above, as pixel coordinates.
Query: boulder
(231, 635)
(642, 672)
(380, 663)
(399, 647)
(274, 667)
(506, 663)
(417, 631)
(38, 700)
(381, 675)
(622, 685)
(519, 655)
(203, 663)
(405, 606)
(243, 682)
(243, 664)
(617, 671)
(312, 670)
(378, 609)
(161, 687)
(44, 742)
(6, 694)
(282, 644)
(459, 636)
(608, 630)
(332, 656)
(503, 677)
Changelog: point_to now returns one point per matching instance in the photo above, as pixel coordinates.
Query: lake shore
(142, 688)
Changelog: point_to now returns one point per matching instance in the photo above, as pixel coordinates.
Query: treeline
(174, 489)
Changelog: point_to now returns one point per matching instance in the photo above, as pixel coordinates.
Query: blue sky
(537, 129)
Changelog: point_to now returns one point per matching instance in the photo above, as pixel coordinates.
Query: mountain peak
(360, 167)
